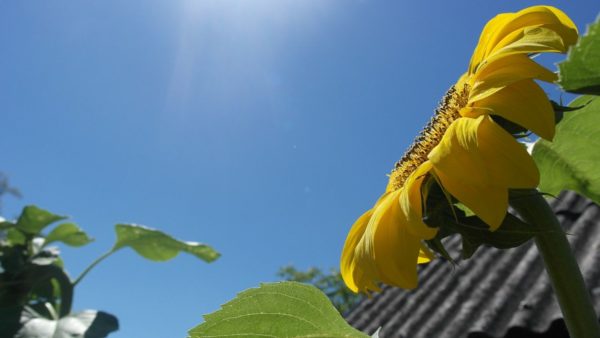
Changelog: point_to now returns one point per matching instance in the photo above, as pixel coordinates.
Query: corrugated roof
(497, 293)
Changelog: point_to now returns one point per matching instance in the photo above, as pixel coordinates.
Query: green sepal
(511, 127)
(512, 233)
(437, 246)
(451, 219)
(560, 110)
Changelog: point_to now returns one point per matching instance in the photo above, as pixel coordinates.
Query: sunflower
(469, 148)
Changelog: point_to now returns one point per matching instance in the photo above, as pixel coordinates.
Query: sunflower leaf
(571, 160)
(157, 246)
(580, 73)
(285, 309)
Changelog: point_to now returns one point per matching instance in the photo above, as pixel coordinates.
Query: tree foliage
(331, 284)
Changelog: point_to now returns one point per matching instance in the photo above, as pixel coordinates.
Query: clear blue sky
(263, 128)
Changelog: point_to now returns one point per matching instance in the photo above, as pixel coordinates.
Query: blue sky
(263, 128)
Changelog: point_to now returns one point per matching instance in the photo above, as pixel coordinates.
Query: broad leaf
(571, 160)
(33, 219)
(70, 234)
(157, 246)
(580, 73)
(286, 309)
(88, 324)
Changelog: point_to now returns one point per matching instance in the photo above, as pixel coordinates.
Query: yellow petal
(364, 271)
(365, 275)
(485, 38)
(477, 162)
(347, 265)
(508, 162)
(536, 16)
(394, 249)
(497, 75)
(425, 255)
(523, 103)
(411, 203)
(531, 40)
(488, 202)
(508, 28)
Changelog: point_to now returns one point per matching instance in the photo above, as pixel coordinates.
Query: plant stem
(91, 266)
(551, 241)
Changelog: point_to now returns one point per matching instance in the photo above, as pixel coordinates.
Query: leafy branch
(36, 294)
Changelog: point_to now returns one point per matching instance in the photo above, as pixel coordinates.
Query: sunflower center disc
(446, 113)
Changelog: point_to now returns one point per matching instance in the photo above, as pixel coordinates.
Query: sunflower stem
(567, 281)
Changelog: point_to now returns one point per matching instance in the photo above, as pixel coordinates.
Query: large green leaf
(157, 246)
(88, 324)
(572, 160)
(580, 73)
(70, 234)
(286, 309)
(33, 219)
